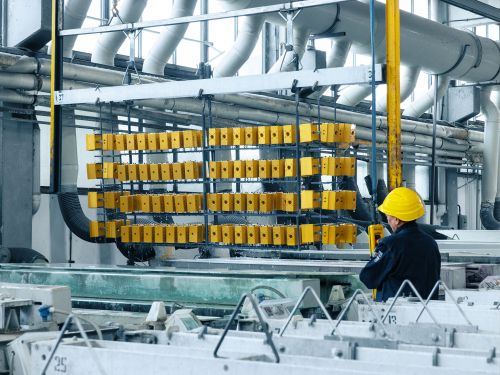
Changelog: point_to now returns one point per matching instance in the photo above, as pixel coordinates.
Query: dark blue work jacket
(407, 254)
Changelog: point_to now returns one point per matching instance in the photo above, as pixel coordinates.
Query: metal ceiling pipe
(232, 60)
(75, 12)
(490, 160)
(422, 103)
(169, 38)
(408, 81)
(287, 62)
(353, 95)
(108, 44)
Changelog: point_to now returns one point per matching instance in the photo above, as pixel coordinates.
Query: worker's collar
(407, 226)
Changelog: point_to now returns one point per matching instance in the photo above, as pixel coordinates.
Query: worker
(407, 254)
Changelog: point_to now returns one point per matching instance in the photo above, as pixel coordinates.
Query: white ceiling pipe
(431, 45)
(75, 12)
(422, 103)
(249, 29)
(286, 62)
(491, 150)
(168, 39)
(353, 95)
(108, 44)
(408, 81)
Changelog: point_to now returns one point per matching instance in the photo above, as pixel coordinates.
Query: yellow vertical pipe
(393, 96)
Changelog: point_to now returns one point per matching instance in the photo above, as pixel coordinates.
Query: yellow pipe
(393, 38)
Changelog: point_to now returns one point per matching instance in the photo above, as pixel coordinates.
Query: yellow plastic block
(137, 202)
(251, 168)
(127, 203)
(131, 143)
(264, 133)
(110, 170)
(290, 168)
(253, 234)
(146, 203)
(108, 142)
(148, 234)
(133, 172)
(252, 202)
(94, 171)
(309, 233)
(144, 172)
(93, 142)
(214, 137)
(168, 203)
(194, 202)
(276, 135)
(238, 136)
(190, 139)
(240, 202)
(215, 233)
(96, 229)
(137, 233)
(112, 228)
(171, 233)
(266, 202)
(159, 234)
(325, 163)
(309, 199)
(153, 141)
(120, 142)
(333, 234)
(345, 133)
(226, 136)
(266, 235)
(279, 201)
(122, 172)
(289, 134)
(126, 233)
(156, 203)
(327, 133)
(95, 199)
(349, 200)
(290, 202)
(291, 235)
(226, 169)
(239, 169)
(196, 233)
(240, 234)
(325, 234)
(265, 169)
(166, 172)
(180, 203)
(182, 233)
(308, 133)
(154, 172)
(348, 233)
(165, 141)
(279, 235)
(227, 202)
(251, 136)
(325, 200)
(228, 234)
(177, 171)
(176, 140)
(349, 166)
(111, 199)
(278, 168)
(214, 202)
(192, 170)
(309, 166)
(214, 170)
(142, 141)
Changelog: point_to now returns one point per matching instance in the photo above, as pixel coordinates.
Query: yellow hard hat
(404, 204)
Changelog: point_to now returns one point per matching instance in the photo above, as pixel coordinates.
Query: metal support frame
(393, 94)
(477, 7)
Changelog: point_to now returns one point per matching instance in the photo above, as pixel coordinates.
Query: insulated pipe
(421, 104)
(168, 39)
(286, 62)
(438, 49)
(108, 44)
(75, 12)
(37, 196)
(352, 95)
(248, 35)
(495, 98)
(490, 160)
(408, 81)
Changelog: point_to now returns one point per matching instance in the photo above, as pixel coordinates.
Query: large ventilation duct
(438, 49)
(108, 44)
(353, 95)
(248, 34)
(75, 12)
(168, 39)
(490, 163)
(287, 62)
(422, 103)
(495, 98)
(409, 76)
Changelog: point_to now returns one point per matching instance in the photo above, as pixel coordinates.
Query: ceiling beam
(477, 7)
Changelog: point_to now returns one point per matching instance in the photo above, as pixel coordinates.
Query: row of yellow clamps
(145, 141)
(275, 235)
(282, 168)
(281, 134)
(189, 170)
(223, 202)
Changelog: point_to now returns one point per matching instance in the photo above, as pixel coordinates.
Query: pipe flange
(498, 71)
(458, 62)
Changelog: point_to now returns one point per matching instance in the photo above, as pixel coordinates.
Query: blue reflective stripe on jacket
(407, 254)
